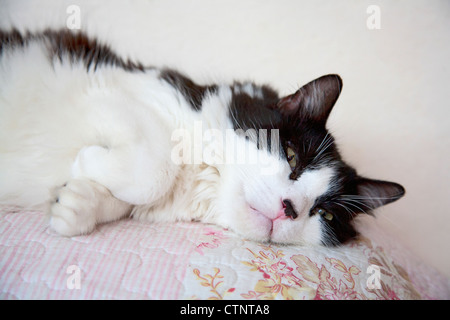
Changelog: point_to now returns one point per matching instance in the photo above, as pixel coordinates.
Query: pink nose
(287, 211)
(281, 215)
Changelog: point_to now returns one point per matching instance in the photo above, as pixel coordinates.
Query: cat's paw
(73, 211)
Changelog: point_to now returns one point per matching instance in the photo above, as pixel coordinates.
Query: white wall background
(392, 119)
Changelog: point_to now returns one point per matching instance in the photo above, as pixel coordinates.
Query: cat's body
(100, 138)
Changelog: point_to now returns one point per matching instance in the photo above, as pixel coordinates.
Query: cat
(95, 138)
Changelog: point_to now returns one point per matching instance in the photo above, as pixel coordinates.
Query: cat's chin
(282, 229)
(258, 227)
(297, 232)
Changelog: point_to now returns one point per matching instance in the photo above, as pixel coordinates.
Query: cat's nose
(289, 210)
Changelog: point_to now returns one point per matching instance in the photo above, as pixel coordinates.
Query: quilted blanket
(134, 260)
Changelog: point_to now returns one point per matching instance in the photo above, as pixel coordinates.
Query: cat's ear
(314, 100)
(376, 193)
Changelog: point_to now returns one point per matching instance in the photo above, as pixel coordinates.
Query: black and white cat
(101, 138)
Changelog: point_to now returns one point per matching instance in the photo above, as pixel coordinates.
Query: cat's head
(299, 190)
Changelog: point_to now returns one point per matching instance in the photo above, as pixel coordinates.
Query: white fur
(98, 146)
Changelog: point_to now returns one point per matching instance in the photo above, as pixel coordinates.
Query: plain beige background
(392, 119)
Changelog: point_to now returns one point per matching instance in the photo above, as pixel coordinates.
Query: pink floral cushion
(134, 260)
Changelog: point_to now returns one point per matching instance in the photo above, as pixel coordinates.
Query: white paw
(73, 211)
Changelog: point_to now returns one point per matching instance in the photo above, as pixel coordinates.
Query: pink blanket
(134, 260)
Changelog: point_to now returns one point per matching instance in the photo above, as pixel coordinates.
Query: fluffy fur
(99, 138)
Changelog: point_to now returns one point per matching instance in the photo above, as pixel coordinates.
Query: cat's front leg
(79, 205)
(135, 173)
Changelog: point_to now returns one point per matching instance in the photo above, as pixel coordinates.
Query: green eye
(328, 216)
(291, 157)
(324, 214)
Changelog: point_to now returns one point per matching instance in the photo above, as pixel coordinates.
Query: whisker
(366, 197)
(357, 201)
(357, 207)
(323, 141)
(324, 148)
(330, 234)
(309, 146)
(352, 213)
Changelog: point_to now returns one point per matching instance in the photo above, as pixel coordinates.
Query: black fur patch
(74, 45)
(255, 112)
(191, 91)
(11, 39)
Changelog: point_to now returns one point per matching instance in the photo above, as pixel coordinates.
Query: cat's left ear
(314, 100)
(376, 193)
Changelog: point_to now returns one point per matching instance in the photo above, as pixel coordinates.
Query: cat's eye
(291, 157)
(323, 213)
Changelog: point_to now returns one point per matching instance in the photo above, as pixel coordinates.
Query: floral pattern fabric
(128, 259)
(358, 271)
